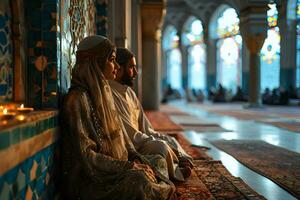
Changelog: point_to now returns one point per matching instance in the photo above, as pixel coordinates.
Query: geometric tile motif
(6, 59)
(32, 178)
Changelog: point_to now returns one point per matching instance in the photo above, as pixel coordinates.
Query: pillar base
(254, 105)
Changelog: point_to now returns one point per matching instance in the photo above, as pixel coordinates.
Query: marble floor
(243, 129)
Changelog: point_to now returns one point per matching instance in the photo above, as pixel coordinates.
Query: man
(145, 139)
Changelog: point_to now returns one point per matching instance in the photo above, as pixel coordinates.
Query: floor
(244, 129)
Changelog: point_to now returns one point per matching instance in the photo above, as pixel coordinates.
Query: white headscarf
(91, 57)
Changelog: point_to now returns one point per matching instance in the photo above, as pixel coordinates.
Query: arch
(224, 29)
(172, 57)
(192, 39)
(213, 20)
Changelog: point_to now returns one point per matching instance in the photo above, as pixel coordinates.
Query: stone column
(119, 27)
(136, 43)
(288, 49)
(253, 26)
(211, 60)
(185, 65)
(152, 15)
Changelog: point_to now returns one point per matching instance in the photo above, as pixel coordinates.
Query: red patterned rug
(276, 163)
(210, 179)
(162, 122)
(288, 125)
(221, 184)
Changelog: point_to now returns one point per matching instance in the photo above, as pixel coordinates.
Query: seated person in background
(266, 96)
(139, 129)
(220, 95)
(189, 95)
(168, 94)
(95, 146)
(239, 96)
(198, 94)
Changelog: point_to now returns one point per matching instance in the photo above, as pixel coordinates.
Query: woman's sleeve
(82, 136)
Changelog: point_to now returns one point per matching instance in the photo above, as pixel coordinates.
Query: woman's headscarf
(91, 57)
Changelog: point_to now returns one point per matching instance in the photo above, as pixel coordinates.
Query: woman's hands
(146, 168)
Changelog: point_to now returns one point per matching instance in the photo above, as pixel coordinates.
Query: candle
(23, 109)
(7, 115)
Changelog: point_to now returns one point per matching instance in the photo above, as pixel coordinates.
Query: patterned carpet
(210, 179)
(278, 164)
(161, 122)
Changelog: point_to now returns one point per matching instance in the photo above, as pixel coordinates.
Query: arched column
(152, 15)
(253, 26)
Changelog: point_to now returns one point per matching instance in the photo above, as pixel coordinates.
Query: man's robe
(145, 139)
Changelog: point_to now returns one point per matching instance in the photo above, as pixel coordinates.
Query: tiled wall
(6, 61)
(101, 20)
(41, 18)
(29, 154)
(77, 20)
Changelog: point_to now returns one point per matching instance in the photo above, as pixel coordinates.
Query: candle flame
(21, 117)
(22, 106)
(4, 111)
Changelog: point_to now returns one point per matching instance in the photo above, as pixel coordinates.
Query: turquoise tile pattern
(41, 16)
(6, 52)
(17, 182)
(37, 176)
(101, 22)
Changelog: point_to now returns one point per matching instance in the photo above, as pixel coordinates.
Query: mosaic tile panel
(6, 52)
(77, 21)
(101, 21)
(35, 178)
(42, 59)
(34, 174)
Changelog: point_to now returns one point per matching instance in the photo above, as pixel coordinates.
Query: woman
(96, 150)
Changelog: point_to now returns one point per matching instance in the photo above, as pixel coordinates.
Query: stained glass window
(270, 52)
(298, 45)
(196, 71)
(173, 57)
(229, 45)
(192, 37)
(174, 69)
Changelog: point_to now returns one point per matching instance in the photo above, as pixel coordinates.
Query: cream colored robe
(145, 139)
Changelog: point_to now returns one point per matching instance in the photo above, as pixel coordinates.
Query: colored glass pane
(228, 23)
(196, 71)
(174, 68)
(193, 32)
(270, 52)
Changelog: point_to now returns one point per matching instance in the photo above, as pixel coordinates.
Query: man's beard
(127, 80)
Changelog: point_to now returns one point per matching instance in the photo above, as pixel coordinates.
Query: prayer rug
(276, 163)
(162, 122)
(195, 152)
(192, 189)
(288, 125)
(171, 110)
(221, 184)
(242, 114)
(204, 128)
(191, 120)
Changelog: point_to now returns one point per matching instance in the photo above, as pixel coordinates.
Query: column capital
(152, 16)
(254, 26)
